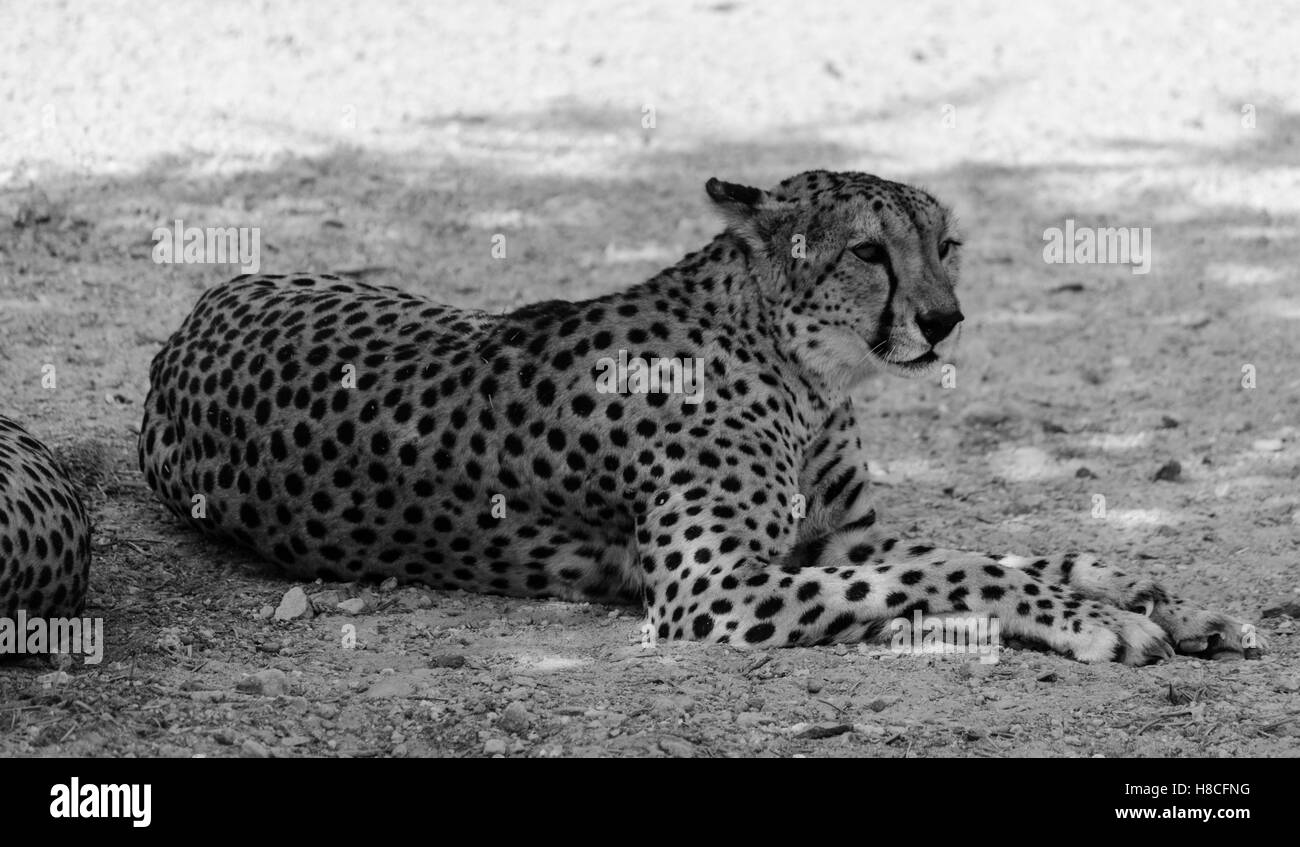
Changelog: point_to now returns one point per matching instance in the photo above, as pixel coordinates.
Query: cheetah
(44, 533)
(349, 431)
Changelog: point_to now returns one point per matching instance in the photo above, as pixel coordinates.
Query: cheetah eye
(946, 245)
(871, 253)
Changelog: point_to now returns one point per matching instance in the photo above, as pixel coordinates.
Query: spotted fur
(476, 451)
(44, 531)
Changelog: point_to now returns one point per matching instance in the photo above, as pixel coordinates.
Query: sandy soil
(396, 142)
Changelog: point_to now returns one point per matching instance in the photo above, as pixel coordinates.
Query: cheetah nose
(936, 326)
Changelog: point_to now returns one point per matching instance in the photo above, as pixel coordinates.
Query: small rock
(814, 685)
(388, 585)
(824, 730)
(1267, 445)
(293, 605)
(1290, 609)
(878, 705)
(411, 600)
(751, 719)
(665, 707)
(494, 747)
(251, 749)
(447, 660)
(516, 718)
(354, 606)
(676, 747)
(986, 415)
(872, 730)
(324, 601)
(1084, 473)
(1167, 422)
(265, 612)
(225, 737)
(268, 683)
(1170, 471)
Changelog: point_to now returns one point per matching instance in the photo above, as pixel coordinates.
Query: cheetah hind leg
(1193, 631)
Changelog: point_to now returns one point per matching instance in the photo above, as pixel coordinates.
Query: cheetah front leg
(840, 529)
(832, 506)
(1193, 630)
(710, 562)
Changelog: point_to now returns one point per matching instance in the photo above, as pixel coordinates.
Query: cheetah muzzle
(346, 431)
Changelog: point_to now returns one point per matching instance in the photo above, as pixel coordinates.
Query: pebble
(516, 718)
(753, 719)
(324, 601)
(494, 747)
(410, 600)
(354, 606)
(986, 414)
(1170, 471)
(293, 605)
(447, 660)
(824, 730)
(388, 585)
(251, 749)
(676, 747)
(1267, 445)
(265, 612)
(268, 683)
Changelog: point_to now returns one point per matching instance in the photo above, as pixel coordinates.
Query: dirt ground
(394, 140)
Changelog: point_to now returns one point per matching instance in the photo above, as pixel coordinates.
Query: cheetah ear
(729, 195)
(751, 213)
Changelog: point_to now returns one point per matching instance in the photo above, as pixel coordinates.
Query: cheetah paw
(1120, 636)
(1199, 632)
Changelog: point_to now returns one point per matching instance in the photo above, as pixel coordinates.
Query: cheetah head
(858, 271)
